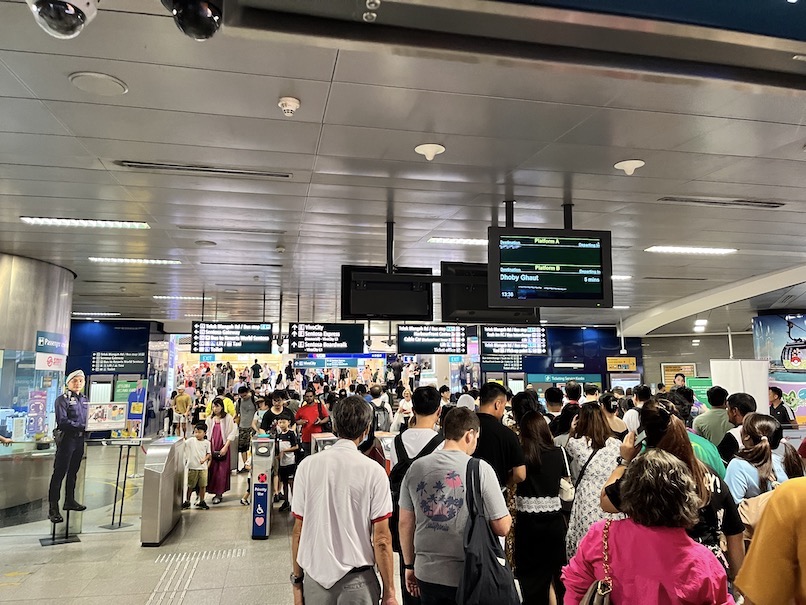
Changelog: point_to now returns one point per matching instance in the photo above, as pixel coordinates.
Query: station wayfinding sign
(513, 340)
(326, 338)
(230, 337)
(114, 362)
(431, 339)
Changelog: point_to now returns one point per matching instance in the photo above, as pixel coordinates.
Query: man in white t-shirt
(342, 504)
(425, 403)
(632, 417)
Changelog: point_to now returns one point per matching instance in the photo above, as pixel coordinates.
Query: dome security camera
(62, 19)
(198, 19)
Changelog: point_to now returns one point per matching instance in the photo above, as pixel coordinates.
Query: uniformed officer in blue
(71, 420)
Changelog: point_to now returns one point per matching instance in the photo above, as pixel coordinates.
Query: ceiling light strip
(133, 261)
(94, 314)
(690, 250)
(45, 221)
(457, 241)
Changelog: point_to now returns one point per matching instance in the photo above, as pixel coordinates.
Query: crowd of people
(646, 495)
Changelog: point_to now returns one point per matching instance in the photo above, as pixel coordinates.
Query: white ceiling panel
(170, 88)
(10, 85)
(205, 130)
(431, 112)
(641, 129)
(744, 138)
(29, 116)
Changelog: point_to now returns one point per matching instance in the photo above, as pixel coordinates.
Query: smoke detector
(429, 150)
(629, 166)
(289, 105)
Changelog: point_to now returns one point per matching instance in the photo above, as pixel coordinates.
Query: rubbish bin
(163, 482)
(262, 462)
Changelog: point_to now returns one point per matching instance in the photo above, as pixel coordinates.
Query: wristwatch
(297, 579)
(622, 462)
(411, 567)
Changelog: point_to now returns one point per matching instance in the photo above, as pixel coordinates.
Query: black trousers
(436, 594)
(68, 461)
(535, 586)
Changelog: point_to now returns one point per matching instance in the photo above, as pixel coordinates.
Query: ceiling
(528, 129)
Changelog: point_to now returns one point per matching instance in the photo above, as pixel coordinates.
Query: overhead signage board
(339, 362)
(513, 340)
(432, 339)
(230, 337)
(51, 342)
(502, 363)
(622, 364)
(326, 338)
(110, 362)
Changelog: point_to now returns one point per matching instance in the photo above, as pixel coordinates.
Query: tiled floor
(111, 567)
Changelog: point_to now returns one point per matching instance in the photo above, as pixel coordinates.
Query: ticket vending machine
(262, 462)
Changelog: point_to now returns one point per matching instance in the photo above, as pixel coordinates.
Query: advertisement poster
(700, 387)
(37, 413)
(668, 370)
(781, 340)
(106, 416)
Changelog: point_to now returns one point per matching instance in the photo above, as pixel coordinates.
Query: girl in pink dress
(222, 432)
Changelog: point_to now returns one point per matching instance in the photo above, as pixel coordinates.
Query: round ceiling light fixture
(629, 166)
(429, 150)
(97, 83)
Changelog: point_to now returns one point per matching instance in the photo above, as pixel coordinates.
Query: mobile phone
(640, 438)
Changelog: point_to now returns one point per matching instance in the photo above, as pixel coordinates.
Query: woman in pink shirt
(652, 559)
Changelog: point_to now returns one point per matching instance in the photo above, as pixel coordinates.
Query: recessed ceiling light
(799, 57)
(701, 322)
(133, 261)
(205, 243)
(695, 340)
(231, 291)
(621, 277)
(94, 314)
(544, 321)
(155, 297)
(97, 83)
(629, 166)
(695, 344)
(82, 222)
(699, 329)
(621, 307)
(429, 150)
(690, 250)
(458, 241)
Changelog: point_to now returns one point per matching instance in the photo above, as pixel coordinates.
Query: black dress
(540, 533)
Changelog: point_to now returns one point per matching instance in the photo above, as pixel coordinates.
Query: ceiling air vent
(203, 170)
(722, 202)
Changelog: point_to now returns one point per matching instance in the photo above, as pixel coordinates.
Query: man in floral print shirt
(433, 511)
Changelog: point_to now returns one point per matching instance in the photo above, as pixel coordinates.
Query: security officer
(71, 420)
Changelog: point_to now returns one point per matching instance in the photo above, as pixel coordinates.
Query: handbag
(567, 489)
(599, 591)
(751, 509)
(327, 427)
(486, 577)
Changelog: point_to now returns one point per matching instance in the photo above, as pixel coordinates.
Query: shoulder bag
(567, 489)
(487, 577)
(327, 427)
(751, 509)
(599, 591)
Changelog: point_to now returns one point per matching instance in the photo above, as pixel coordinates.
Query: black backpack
(487, 577)
(399, 472)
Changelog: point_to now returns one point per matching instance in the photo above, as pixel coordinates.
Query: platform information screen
(513, 340)
(326, 338)
(431, 339)
(230, 337)
(542, 267)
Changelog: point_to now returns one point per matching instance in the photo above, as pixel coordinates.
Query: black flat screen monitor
(549, 268)
(367, 292)
(465, 300)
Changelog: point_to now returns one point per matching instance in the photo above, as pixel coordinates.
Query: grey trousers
(353, 589)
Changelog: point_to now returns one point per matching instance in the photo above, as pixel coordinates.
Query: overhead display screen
(432, 339)
(326, 338)
(227, 337)
(549, 268)
(513, 340)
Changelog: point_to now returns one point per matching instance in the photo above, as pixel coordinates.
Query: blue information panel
(776, 18)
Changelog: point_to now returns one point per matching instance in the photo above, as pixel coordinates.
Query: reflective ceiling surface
(525, 129)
